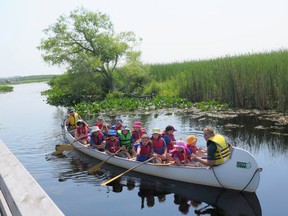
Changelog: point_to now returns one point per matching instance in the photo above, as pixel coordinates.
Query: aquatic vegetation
(131, 104)
(6, 88)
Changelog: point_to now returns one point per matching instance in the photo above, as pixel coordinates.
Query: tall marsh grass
(249, 81)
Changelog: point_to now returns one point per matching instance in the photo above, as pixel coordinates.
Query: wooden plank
(22, 193)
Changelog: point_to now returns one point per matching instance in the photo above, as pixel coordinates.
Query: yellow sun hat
(191, 139)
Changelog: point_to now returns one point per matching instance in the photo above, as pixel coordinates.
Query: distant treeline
(25, 79)
(248, 81)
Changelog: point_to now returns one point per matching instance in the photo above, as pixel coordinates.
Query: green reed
(248, 81)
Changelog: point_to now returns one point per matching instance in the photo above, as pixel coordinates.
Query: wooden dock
(20, 194)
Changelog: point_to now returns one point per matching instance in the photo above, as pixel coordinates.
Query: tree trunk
(111, 84)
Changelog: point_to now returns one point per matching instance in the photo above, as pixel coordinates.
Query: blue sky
(171, 30)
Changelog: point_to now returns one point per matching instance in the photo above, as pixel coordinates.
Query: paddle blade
(98, 166)
(57, 152)
(95, 168)
(64, 147)
(111, 180)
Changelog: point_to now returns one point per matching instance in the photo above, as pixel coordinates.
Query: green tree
(85, 42)
(133, 76)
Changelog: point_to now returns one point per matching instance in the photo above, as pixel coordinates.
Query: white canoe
(241, 172)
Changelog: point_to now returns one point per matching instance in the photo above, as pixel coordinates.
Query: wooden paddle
(118, 176)
(98, 166)
(63, 147)
(66, 147)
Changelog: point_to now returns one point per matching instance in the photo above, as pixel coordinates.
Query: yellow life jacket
(73, 119)
(222, 153)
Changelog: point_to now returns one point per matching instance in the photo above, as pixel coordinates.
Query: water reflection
(149, 195)
(201, 200)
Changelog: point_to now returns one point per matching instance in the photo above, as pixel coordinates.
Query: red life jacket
(113, 145)
(192, 149)
(98, 138)
(158, 144)
(82, 131)
(99, 125)
(137, 135)
(118, 128)
(170, 145)
(145, 150)
(181, 155)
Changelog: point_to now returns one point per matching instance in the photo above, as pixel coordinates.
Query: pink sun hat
(137, 124)
(180, 144)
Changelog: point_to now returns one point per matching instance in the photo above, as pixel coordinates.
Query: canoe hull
(240, 173)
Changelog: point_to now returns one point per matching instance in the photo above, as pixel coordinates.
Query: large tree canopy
(85, 41)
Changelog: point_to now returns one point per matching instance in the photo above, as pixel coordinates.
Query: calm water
(30, 128)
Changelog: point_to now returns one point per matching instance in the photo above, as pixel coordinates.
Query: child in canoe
(112, 144)
(179, 153)
(168, 136)
(137, 131)
(97, 139)
(118, 125)
(159, 146)
(191, 148)
(124, 136)
(81, 133)
(143, 148)
(100, 122)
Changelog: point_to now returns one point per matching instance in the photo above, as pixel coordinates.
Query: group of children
(120, 140)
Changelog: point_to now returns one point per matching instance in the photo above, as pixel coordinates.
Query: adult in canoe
(72, 118)
(218, 149)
